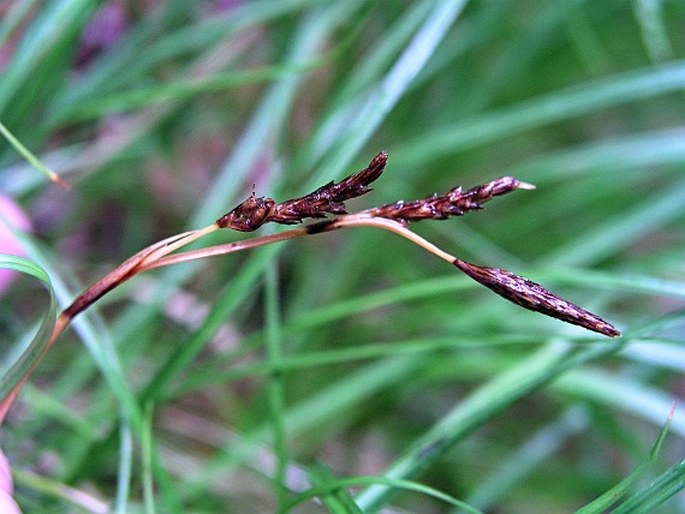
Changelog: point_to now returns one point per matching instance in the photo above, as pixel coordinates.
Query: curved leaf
(395, 483)
(32, 353)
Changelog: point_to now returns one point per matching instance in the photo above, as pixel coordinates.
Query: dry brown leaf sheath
(329, 199)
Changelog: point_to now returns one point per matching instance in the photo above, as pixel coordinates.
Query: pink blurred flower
(11, 215)
(7, 503)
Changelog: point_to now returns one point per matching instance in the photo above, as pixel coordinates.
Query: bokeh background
(233, 383)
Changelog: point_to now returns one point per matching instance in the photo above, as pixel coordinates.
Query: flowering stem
(519, 290)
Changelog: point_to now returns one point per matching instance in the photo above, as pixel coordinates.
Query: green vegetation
(350, 366)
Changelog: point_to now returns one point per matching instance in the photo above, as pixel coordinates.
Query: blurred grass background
(229, 385)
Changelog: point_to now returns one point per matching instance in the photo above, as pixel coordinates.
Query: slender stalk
(346, 221)
(395, 227)
(224, 249)
(132, 266)
(32, 159)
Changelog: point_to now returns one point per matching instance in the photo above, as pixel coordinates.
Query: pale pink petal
(8, 505)
(6, 485)
(10, 215)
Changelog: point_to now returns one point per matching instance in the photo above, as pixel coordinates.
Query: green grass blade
(613, 235)
(276, 388)
(622, 393)
(668, 484)
(481, 405)
(146, 464)
(621, 490)
(533, 454)
(16, 370)
(40, 54)
(650, 15)
(26, 153)
(573, 102)
(395, 84)
(397, 484)
(337, 501)
(124, 471)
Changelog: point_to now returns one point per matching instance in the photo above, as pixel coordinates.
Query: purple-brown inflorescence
(331, 197)
(453, 203)
(532, 296)
(328, 199)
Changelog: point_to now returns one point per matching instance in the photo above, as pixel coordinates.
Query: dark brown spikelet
(453, 203)
(249, 215)
(531, 295)
(328, 199)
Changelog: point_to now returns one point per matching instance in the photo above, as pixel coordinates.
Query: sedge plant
(326, 200)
